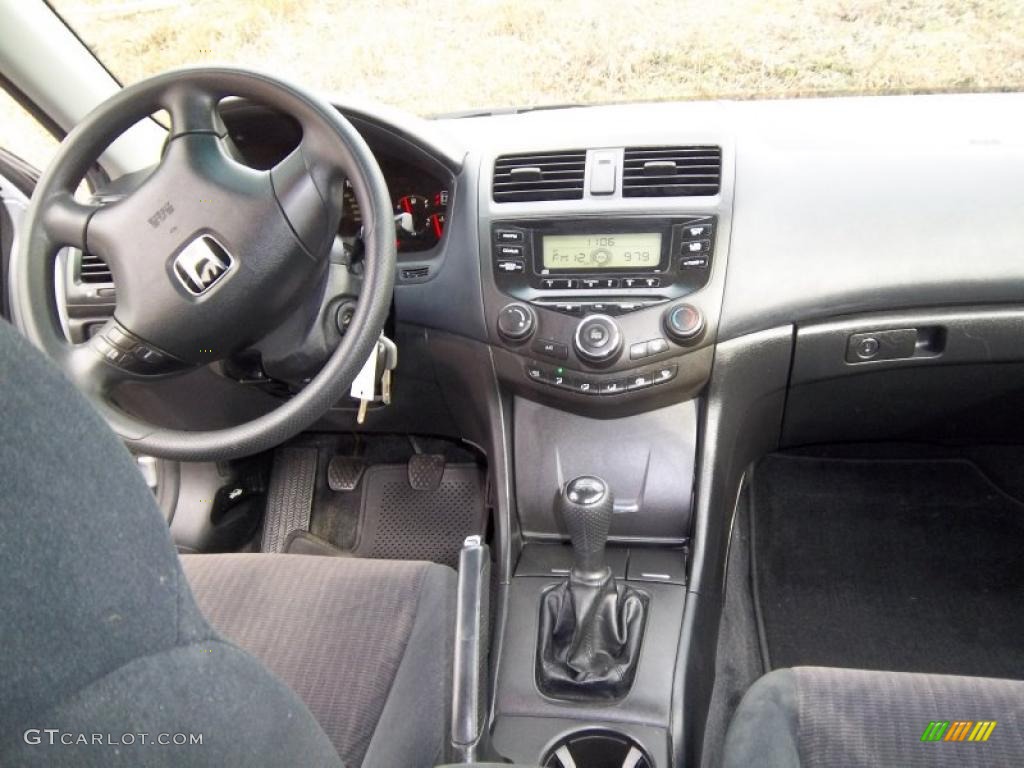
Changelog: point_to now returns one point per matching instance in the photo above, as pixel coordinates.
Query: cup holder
(596, 748)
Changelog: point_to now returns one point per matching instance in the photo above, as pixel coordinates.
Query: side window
(22, 135)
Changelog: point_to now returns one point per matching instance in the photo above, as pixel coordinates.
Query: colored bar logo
(958, 730)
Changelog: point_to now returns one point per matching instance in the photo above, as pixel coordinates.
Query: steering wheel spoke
(66, 221)
(193, 109)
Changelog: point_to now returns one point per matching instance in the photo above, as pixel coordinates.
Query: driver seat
(268, 659)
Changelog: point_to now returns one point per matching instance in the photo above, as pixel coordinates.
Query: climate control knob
(516, 322)
(684, 323)
(598, 339)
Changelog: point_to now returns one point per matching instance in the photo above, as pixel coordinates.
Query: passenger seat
(818, 716)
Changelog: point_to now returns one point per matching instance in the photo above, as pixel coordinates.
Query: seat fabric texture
(812, 717)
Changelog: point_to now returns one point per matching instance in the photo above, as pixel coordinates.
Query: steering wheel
(208, 255)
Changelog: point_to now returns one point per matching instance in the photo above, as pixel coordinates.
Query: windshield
(450, 55)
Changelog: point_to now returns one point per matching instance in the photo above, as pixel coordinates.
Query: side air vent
(540, 176)
(94, 270)
(671, 171)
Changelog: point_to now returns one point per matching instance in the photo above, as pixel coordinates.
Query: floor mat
(346, 518)
(399, 522)
(888, 564)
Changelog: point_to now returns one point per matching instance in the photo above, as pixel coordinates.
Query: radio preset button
(558, 283)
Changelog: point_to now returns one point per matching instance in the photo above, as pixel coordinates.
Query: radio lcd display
(594, 253)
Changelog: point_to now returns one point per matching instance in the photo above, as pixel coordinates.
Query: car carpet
(898, 564)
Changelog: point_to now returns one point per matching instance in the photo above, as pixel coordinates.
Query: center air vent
(94, 270)
(671, 171)
(539, 176)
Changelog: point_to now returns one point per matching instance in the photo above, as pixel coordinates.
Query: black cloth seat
(366, 644)
(103, 640)
(807, 717)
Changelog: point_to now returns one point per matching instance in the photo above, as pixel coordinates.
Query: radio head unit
(635, 253)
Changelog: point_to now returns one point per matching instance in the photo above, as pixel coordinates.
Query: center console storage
(647, 460)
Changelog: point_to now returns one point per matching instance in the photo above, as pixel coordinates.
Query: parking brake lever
(472, 641)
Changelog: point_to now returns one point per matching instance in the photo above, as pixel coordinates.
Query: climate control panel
(603, 312)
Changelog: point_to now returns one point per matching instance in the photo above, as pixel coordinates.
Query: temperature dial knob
(516, 322)
(684, 323)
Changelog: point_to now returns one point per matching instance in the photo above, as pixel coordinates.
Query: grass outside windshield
(444, 56)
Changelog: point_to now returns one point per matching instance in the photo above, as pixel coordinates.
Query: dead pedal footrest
(290, 496)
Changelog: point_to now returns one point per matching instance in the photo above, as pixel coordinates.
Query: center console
(602, 314)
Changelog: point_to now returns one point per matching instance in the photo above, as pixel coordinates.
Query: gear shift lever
(586, 506)
(590, 626)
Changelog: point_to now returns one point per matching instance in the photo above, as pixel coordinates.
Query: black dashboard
(812, 209)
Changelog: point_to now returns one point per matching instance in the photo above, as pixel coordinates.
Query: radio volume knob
(684, 323)
(516, 322)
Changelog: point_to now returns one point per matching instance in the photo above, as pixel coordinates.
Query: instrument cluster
(420, 203)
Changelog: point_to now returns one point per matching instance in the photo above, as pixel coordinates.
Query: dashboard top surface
(837, 205)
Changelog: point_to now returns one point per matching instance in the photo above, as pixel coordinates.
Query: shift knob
(586, 504)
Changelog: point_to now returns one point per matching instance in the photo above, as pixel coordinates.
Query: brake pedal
(344, 473)
(426, 471)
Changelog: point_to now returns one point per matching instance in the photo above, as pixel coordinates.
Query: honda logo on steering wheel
(202, 264)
